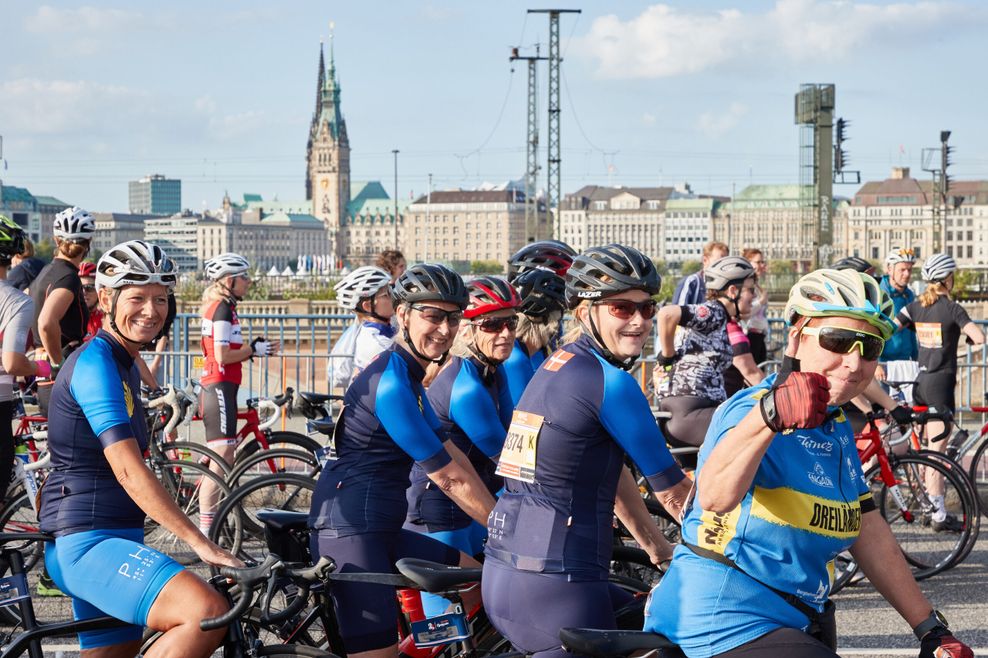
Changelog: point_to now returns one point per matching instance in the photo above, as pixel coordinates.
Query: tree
(691, 267)
(45, 250)
(778, 267)
(963, 280)
(486, 267)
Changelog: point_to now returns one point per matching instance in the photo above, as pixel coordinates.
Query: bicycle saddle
(605, 644)
(317, 398)
(435, 577)
(322, 425)
(283, 519)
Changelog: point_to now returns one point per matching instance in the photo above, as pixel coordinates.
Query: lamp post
(395, 152)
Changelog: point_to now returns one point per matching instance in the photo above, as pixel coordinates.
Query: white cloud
(664, 41)
(54, 21)
(53, 107)
(648, 119)
(718, 124)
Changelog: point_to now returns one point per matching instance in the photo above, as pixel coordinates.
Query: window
(874, 252)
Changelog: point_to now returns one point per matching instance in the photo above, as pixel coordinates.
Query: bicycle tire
(183, 481)
(928, 552)
(235, 525)
(299, 462)
(18, 515)
(286, 439)
(970, 491)
(197, 452)
(978, 472)
(283, 650)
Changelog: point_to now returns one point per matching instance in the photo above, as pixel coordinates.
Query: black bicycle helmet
(602, 271)
(542, 293)
(853, 263)
(551, 255)
(429, 282)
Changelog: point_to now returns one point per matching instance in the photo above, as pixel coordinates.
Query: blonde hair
(538, 332)
(575, 328)
(28, 251)
(72, 250)
(932, 293)
(463, 341)
(215, 291)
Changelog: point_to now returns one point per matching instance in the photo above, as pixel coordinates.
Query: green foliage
(190, 290)
(779, 267)
(690, 267)
(963, 279)
(661, 267)
(45, 250)
(486, 267)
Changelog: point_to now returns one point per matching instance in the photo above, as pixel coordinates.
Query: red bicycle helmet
(87, 269)
(490, 293)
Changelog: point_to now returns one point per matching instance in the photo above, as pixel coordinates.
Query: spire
(329, 108)
(322, 78)
(332, 59)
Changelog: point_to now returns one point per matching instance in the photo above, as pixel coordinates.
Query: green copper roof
(768, 193)
(51, 201)
(249, 198)
(10, 194)
(293, 220)
(690, 204)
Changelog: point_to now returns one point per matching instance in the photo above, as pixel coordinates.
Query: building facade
(688, 225)
(155, 195)
(462, 226)
(22, 207)
(112, 228)
(595, 215)
(370, 225)
(770, 218)
(49, 206)
(178, 235)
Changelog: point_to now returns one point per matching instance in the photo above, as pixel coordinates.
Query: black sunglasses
(841, 341)
(625, 309)
(437, 316)
(89, 287)
(496, 325)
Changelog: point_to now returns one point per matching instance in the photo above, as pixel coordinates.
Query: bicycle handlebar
(308, 576)
(247, 579)
(177, 401)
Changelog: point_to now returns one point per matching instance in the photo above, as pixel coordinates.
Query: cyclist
(387, 424)
(756, 324)
(549, 255)
(855, 263)
(87, 278)
(26, 267)
(692, 289)
(689, 372)
(16, 314)
(543, 295)
(225, 350)
(939, 322)
(898, 362)
(61, 314)
(366, 292)
(391, 261)
(550, 534)
(780, 493)
(99, 489)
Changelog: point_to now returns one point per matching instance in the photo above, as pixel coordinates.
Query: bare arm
(630, 508)
(745, 363)
(56, 306)
(974, 332)
(15, 363)
(876, 394)
(668, 320)
(880, 558)
(460, 481)
(675, 497)
(227, 355)
(730, 468)
(144, 489)
(145, 372)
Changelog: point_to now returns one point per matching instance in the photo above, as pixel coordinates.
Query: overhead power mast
(554, 186)
(532, 220)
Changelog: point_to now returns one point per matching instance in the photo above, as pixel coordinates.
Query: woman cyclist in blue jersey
(536, 271)
(550, 534)
(695, 349)
(386, 426)
(780, 493)
(99, 489)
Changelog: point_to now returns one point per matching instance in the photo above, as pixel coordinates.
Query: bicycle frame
(876, 449)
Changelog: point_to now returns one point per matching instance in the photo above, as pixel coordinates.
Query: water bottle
(21, 458)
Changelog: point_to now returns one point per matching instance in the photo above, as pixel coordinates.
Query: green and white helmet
(841, 293)
(11, 238)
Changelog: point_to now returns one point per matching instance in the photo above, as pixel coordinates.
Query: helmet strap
(608, 355)
(372, 310)
(490, 364)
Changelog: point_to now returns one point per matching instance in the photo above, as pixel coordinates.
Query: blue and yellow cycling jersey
(566, 445)
(386, 425)
(95, 403)
(802, 509)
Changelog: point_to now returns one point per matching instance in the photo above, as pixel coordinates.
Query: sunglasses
(625, 309)
(843, 341)
(437, 316)
(497, 325)
(89, 287)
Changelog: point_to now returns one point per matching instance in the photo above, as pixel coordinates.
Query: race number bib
(518, 455)
(929, 334)
(199, 363)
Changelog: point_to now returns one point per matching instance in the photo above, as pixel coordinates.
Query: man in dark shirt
(26, 267)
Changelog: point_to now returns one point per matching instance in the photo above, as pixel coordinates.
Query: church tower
(328, 153)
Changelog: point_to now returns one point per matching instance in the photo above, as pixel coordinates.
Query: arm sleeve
(104, 405)
(625, 415)
(518, 371)
(960, 315)
(739, 341)
(370, 343)
(472, 409)
(704, 318)
(397, 408)
(16, 331)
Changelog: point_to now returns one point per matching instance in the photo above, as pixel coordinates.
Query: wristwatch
(935, 620)
(770, 415)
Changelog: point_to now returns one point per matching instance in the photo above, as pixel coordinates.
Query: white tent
(273, 271)
(288, 271)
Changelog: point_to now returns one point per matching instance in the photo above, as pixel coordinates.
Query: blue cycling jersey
(520, 367)
(475, 411)
(902, 345)
(562, 458)
(95, 403)
(802, 509)
(386, 425)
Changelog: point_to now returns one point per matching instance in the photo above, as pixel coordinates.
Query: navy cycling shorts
(529, 608)
(109, 572)
(368, 613)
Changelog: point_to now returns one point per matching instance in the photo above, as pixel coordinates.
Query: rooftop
(472, 196)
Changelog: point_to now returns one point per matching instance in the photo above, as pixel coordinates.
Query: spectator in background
(392, 261)
(691, 289)
(87, 277)
(757, 323)
(25, 267)
(898, 362)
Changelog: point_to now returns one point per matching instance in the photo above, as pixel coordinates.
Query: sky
(220, 94)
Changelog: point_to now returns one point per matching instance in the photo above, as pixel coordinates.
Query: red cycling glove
(939, 643)
(797, 400)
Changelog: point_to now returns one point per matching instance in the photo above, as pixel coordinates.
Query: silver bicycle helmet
(73, 224)
(135, 263)
(727, 271)
(938, 267)
(360, 284)
(228, 264)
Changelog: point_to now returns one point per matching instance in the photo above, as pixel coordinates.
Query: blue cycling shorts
(109, 572)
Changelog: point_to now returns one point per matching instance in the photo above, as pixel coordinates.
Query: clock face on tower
(324, 183)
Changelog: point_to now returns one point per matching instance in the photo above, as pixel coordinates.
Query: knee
(213, 605)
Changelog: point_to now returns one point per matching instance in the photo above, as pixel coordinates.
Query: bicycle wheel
(969, 491)
(928, 551)
(283, 650)
(289, 440)
(275, 460)
(235, 526)
(191, 451)
(978, 472)
(183, 482)
(18, 515)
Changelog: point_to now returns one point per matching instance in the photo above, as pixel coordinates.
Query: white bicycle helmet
(724, 272)
(841, 293)
(74, 224)
(135, 263)
(900, 255)
(360, 284)
(938, 267)
(228, 264)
